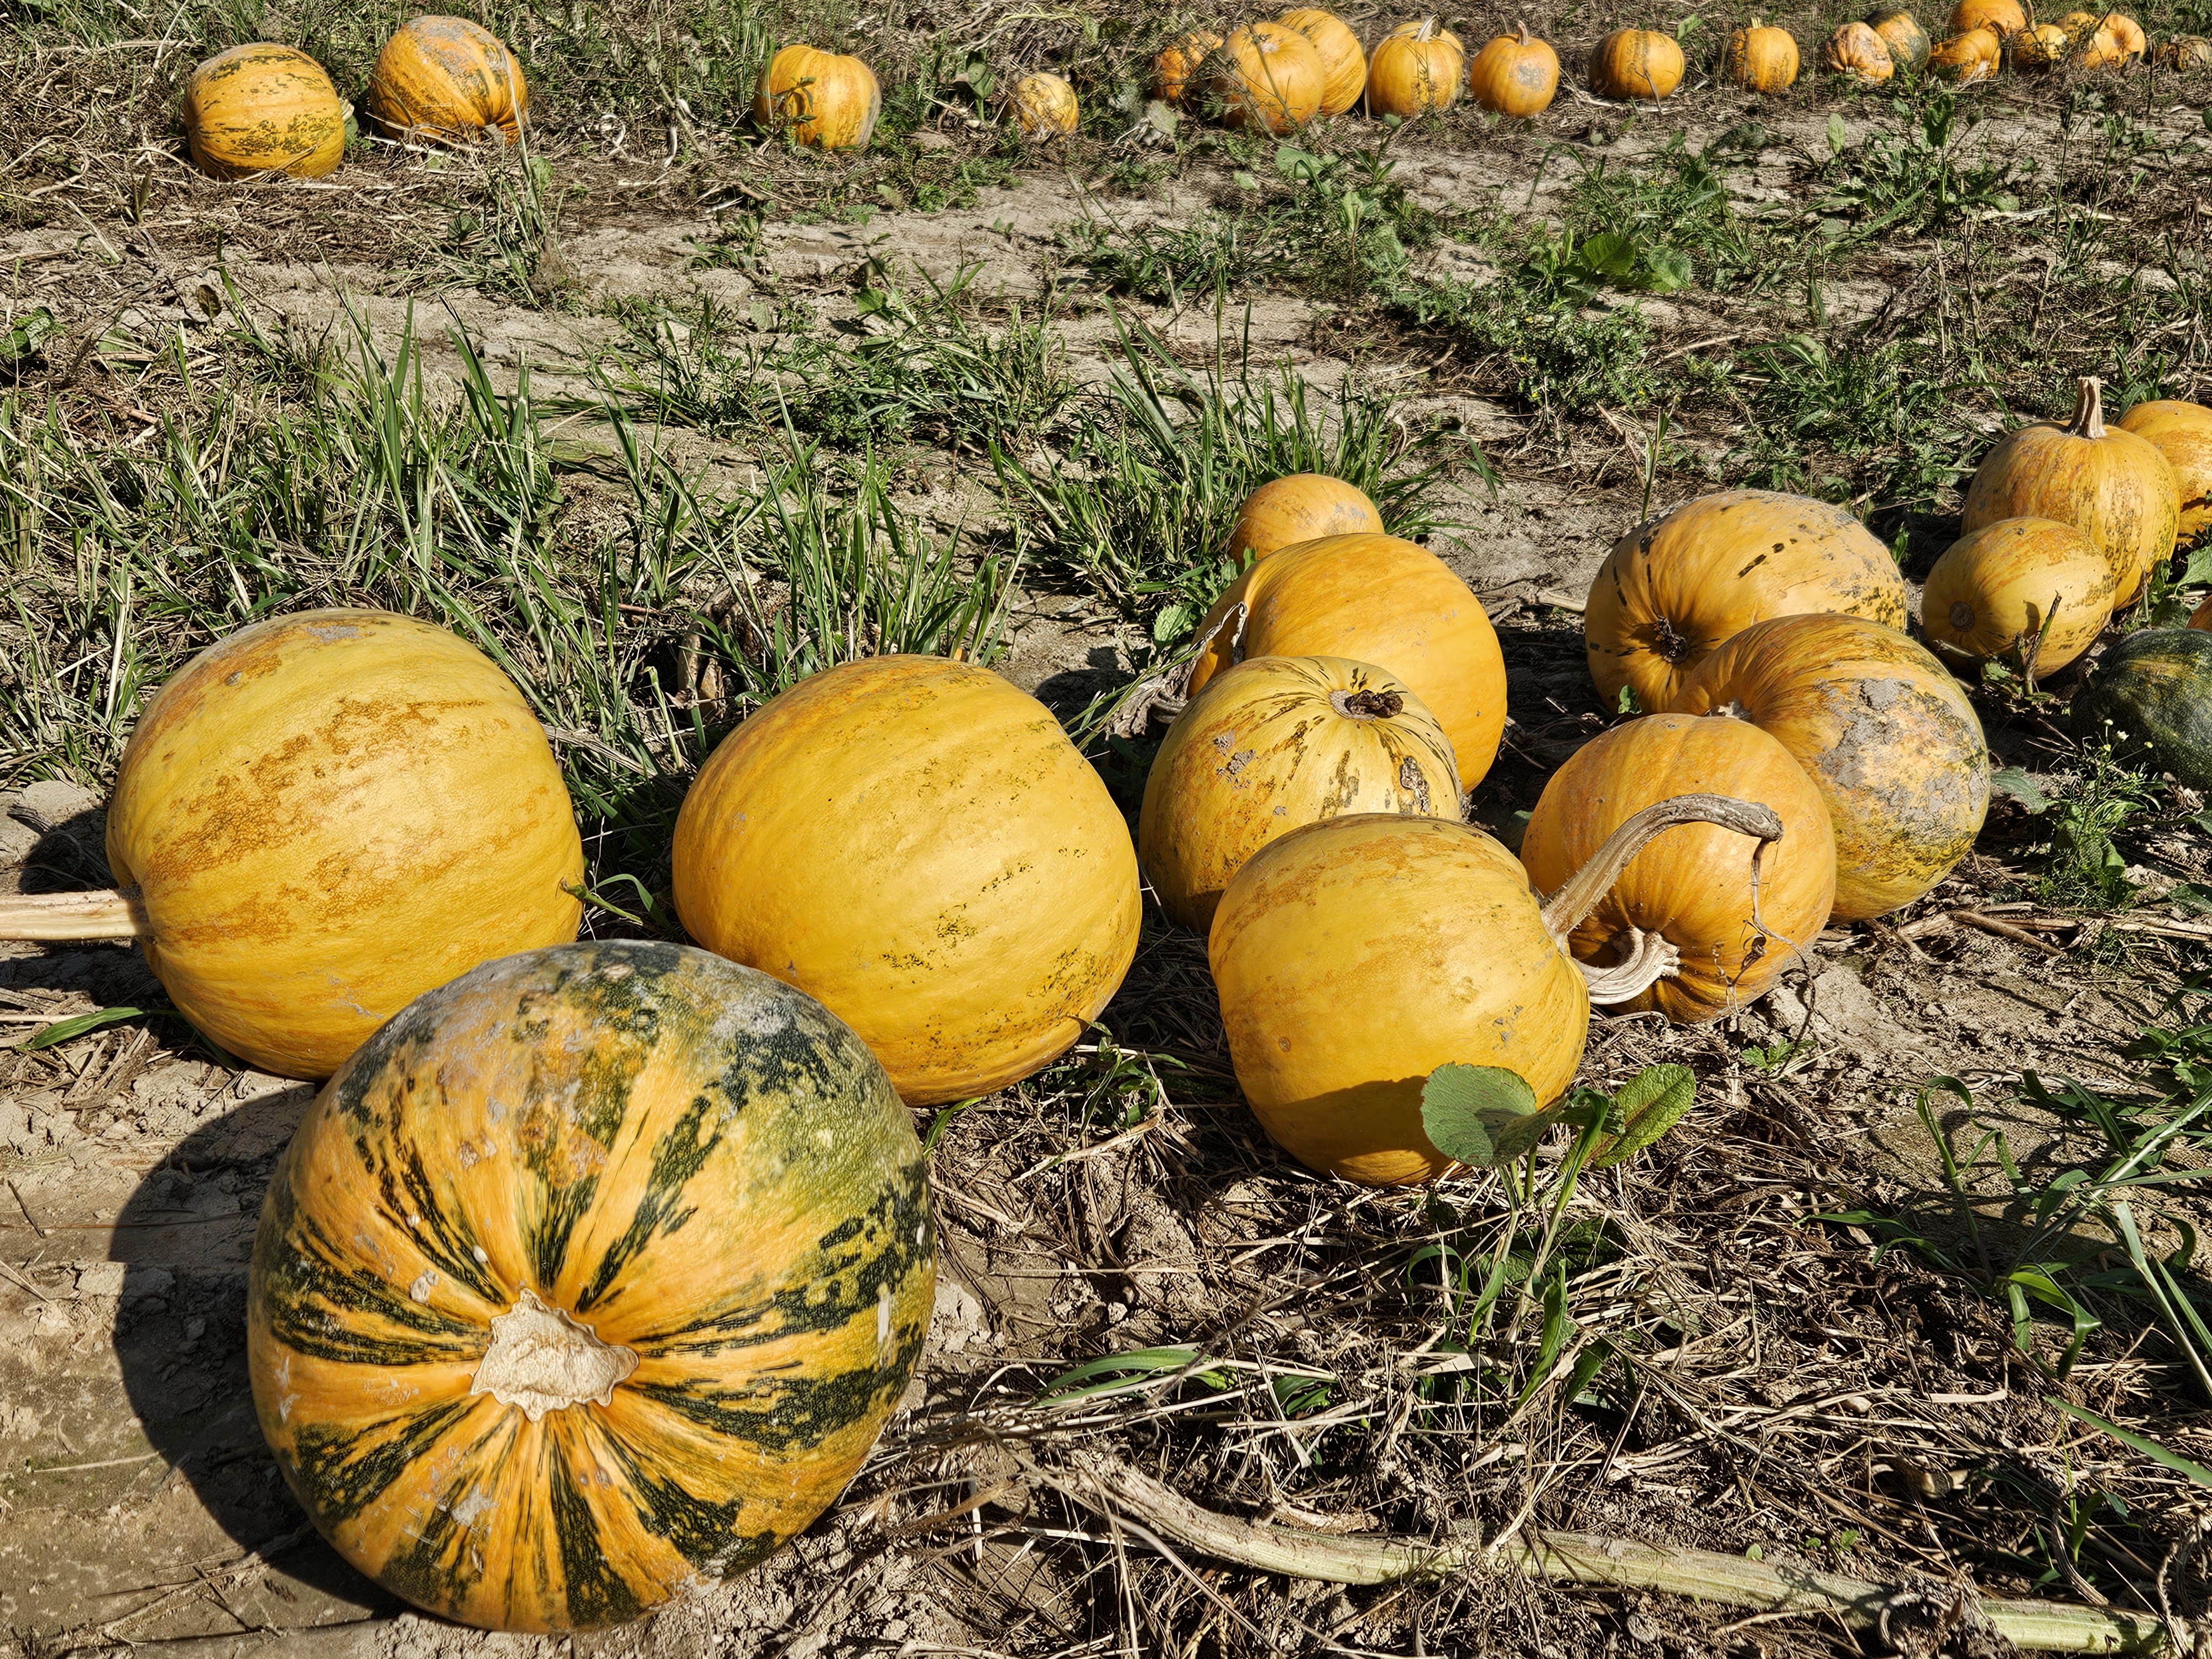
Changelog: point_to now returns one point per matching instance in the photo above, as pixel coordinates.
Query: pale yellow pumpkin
(2016, 587)
(1302, 507)
(1045, 106)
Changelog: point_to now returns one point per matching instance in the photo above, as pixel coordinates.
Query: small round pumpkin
(916, 843)
(1761, 58)
(1417, 68)
(2007, 17)
(1854, 50)
(1302, 507)
(2040, 45)
(1515, 75)
(1734, 928)
(2016, 585)
(2183, 434)
(1632, 63)
(594, 1274)
(1966, 59)
(1375, 600)
(1275, 744)
(2187, 53)
(1268, 77)
(1674, 589)
(1901, 34)
(2115, 486)
(1344, 65)
(1888, 736)
(1045, 106)
(448, 80)
(2151, 694)
(260, 108)
(1176, 67)
(823, 99)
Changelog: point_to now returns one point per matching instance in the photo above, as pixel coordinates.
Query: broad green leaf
(2200, 568)
(30, 330)
(2011, 781)
(1654, 1102)
(63, 1030)
(1611, 254)
(1838, 139)
(1669, 270)
(1483, 1116)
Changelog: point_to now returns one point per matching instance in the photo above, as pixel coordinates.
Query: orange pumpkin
(1274, 744)
(1045, 106)
(1967, 57)
(1674, 589)
(2041, 46)
(1901, 34)
(1888, 735)
(1375, 600)
(1344, 65)
(1762, 59)
(1417, 68)
(1515, 75)
(823, 99)
(2113, 486)
(2183, 434)
(1267, 77)
(1734, 928)
(1302, 507)
(261, 108)
(2125, 32)
(917, 844)
(448, 79)
(1633, 63)
(1178, 64)
(2007, 17)
(2017, 586)
(1856, 51)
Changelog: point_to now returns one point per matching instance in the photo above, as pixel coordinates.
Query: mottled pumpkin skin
(1302, 507)
(2005, 17)
(915, 843)
(1888, 736)
(1989, 594)
(1674, 589)
(448, 79)
(262, 107)
(2183, 434)
(330, 813)
(695, 1162)
(1355, 956)
(1381, 600)
(1273, 744)
(1046, 106)
(2155, 685)
(1900, 32)
(1515, 75)
(1343, 64)
(823, 99)
(1634, 64)
(1856, 49)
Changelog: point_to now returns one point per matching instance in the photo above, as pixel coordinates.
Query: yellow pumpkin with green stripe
(592, 1275)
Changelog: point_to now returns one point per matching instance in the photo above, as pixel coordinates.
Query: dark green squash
(2154, 688)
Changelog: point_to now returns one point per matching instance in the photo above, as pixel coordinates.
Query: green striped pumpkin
(2153, 689)
(591, 1275)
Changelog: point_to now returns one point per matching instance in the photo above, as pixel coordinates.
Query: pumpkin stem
(1522, 29)
(1651, 957)
(1428, 29)
(107, 914)
(2088, 408)
(1578, 895)
(1367, 705)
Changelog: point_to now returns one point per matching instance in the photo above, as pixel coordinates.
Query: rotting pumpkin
(1856, 50)
(592, 1275)
(447, 80)
(317, 820)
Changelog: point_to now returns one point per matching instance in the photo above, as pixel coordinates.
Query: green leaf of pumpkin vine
(1482, 1115)
(1653, 1102)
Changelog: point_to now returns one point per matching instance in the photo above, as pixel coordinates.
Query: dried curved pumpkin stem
(107, 914)
(1651, 957)
(2088, 408)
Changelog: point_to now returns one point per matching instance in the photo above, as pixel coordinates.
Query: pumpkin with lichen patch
(1515, 75)
(1344, 65)
(2151, 695)
(592, 1275)
(263, 108)
(2018, 589)
(1302, 507)
(2183, 434)
(448, 80)
(1044, 105)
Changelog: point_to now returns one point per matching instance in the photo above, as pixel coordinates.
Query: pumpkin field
(1024, 834)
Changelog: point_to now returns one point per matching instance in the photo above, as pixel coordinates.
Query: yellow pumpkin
(1274, 744)
(1417, 68)
(2188, 52)
(1763, 60)
(2041, 46)
(1731, 927)
(1302, 507)
(2017, 586)
(1633, 63)
(1515, 75)
(2006, 17)
(261, 108)
(1375, 600)
(1267, 77)
(2183, 434)
(1045, 106)
(2113, 486)
(1900, 32)
(448, 79)
(2126, 33)
(1178, 64)
(916, 843)
(1967, 57)
(1887, 736)
(1856, 51)
(1674, 589)
(823, 99)
(1344, 65)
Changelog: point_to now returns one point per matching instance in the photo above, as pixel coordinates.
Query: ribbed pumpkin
(1178, 62)
(1693, 886)
(1417, 68)
(1762, 59)
(2113, 486)
(1967, 57)
(1901, 34)
(916, 843)
(2005, 17)
(263, 107)
(1856, 51)
(2187, 53)
(824, 99)
(2183, 434)
(1344, 65)
(1515, 75)
(1635, 64)
(1273, 744)
(2040, 45)
(319, 819)
(1994, 589)
(1045, 106)
(1302, 507)
(593, 1275)
(1674, 589)
(1377, 599)
(1354, 957)
(2127, 32)
(1268, 78)
(448, 79)
(2098, 48)
(2151, 693)
(1888, 735)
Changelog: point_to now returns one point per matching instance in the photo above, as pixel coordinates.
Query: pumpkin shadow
(184, 1239)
